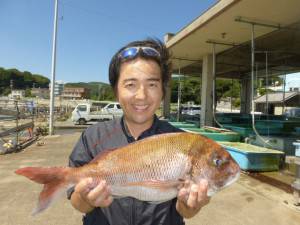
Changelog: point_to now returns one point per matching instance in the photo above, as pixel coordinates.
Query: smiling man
(139, 74)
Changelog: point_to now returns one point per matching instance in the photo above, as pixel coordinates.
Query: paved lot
(247, 202)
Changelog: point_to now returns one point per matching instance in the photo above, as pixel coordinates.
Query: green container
(216, 135)
(183, 125)
(254, 158)
(245, 130)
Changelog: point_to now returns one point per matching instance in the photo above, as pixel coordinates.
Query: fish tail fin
(55, 180)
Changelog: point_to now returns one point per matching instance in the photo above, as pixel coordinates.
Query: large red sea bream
(151, 169)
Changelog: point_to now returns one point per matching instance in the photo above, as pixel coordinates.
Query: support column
(246, 95)
(167, 102)
(206, 92)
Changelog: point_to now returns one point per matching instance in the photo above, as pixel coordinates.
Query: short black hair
(163, 61)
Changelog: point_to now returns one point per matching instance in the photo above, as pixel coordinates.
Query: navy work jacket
(124, 211)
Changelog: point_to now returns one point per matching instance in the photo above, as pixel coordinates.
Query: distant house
(276, 101)
(75, 93)
(17, 94)
(40, 92)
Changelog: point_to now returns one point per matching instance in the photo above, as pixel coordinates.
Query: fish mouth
(212, 190)
(232, 179)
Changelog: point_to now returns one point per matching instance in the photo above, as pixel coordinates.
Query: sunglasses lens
(129, 53)
(150, 52)
(133, 51)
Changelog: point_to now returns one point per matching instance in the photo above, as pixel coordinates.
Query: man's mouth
(140, 107)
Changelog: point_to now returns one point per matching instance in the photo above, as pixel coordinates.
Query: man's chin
(141, 119)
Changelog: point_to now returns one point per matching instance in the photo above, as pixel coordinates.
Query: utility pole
(53, 70)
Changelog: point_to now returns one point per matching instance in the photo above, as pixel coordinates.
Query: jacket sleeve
(80, 155)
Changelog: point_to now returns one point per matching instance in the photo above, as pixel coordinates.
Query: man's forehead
(142, 69)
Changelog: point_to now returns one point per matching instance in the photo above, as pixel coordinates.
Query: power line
(109, 16)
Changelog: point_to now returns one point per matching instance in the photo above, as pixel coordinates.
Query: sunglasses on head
(131, 52)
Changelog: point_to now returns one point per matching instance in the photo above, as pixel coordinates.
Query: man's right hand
(88, 195)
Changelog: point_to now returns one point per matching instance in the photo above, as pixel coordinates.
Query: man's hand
(191, 199)
(87, 195)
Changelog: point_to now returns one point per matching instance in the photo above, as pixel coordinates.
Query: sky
(89, 32)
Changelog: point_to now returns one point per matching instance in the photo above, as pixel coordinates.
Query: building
(17, 94)
(75, 93)
(221, 42)
(40, 92)
(275, 103)
(58, 88)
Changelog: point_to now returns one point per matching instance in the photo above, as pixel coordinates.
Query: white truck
(88, 112)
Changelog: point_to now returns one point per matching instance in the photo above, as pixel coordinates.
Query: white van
(86, 112)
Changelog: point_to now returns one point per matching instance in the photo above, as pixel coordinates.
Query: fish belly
(156, 181)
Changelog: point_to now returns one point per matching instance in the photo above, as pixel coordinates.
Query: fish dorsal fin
(101, 155)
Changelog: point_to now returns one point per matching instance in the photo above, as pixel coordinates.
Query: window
(82, 108)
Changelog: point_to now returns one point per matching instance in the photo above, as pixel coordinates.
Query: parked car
(86, 112)
(191, 110)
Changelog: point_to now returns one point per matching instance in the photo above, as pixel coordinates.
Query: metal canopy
(277, 30)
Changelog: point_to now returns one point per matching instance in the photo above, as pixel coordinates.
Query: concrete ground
(247, 202)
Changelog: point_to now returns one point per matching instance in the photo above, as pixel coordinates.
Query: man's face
(139, 90)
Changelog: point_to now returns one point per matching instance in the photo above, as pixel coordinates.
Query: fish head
(210, 161)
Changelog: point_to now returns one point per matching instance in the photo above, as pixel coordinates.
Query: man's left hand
(189, 202)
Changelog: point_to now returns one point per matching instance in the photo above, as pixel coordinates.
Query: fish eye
(218, 162)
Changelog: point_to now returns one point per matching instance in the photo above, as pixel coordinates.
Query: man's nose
(141, 92)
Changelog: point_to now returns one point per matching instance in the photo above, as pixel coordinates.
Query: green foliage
(263, 91)
(227, 88)
(191, 90)
(28, 93)
(20, 80)
(98, 90)
(272, 81)
(236, 102)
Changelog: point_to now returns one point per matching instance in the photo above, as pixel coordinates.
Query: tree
(191, 89)
(20, 80)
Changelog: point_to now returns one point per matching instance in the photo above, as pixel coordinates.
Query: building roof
(222, 23)
(277, 97)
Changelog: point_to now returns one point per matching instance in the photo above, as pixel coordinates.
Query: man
(138, 74)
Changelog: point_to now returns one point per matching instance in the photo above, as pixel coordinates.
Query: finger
(202, 190)
(83, 186)
(103, 196)
(99, 190)
(106, 202)
(182, 195)
(192, 201)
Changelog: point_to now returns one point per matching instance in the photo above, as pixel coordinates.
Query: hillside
(20, 80)
(98, 90)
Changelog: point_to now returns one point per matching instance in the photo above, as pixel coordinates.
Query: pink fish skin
(152, 169)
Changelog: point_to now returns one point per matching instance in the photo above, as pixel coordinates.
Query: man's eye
(153, 85)
(129, 85)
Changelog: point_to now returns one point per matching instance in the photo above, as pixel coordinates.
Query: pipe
(214, 83)
(252, 85)
(179, 94)
(283, 95)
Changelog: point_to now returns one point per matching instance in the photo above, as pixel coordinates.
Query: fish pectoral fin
(157, 184)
